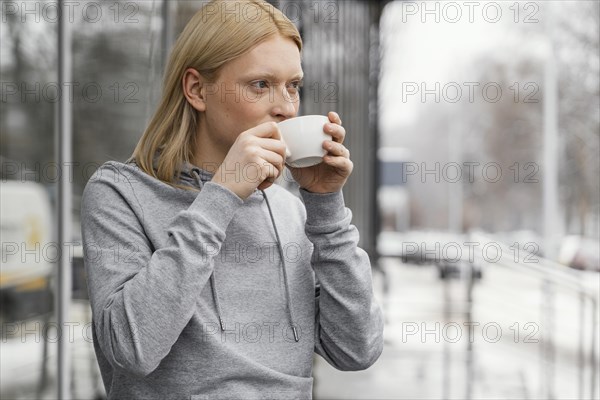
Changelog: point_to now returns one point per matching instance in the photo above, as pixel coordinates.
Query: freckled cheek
(253, 110)
(242, 116)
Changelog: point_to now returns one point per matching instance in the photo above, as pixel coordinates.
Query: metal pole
(374, 74)
(446, 354)
(455, 189)
(593, 360)
(550, 196)
(552, 218)
(548, 343)
(167, 33)
(63, 151)
(580, 349)
(469, 320)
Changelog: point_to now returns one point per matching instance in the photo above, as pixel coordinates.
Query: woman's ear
(194, 89)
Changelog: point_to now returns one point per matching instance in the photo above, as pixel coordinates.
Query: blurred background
(474, 129)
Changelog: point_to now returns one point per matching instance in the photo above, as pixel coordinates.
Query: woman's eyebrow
(271, 76)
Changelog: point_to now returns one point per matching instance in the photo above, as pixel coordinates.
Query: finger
(266, 130)
(274, 145)
(264, 185)
(272, 163)
(336, 149)
(337, 132)
(341, 163)
(335, 117)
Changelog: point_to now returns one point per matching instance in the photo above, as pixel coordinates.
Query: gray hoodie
(203, 295)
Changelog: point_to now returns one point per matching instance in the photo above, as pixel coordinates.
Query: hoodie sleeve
(142, 298)
(348, 320)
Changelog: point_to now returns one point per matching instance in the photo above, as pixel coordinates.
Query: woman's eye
(259, 83)
(264, 85)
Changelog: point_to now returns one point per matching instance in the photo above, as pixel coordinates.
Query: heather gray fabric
(190, 297)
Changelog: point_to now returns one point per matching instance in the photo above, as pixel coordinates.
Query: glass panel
(28, 201)
(116, 53)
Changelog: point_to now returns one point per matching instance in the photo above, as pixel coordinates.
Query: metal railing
(553, 276)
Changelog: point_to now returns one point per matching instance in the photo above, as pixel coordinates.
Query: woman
(204, 281)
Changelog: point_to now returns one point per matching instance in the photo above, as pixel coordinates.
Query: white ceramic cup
(304, 137)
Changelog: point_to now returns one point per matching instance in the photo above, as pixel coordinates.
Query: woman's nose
(285, 103)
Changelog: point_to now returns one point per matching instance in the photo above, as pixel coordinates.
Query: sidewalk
(427, 339)
(20, 370)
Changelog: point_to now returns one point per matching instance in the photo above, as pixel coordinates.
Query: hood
(190, 174)
(196, 177)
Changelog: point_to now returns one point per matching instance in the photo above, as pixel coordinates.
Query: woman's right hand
(255, 160)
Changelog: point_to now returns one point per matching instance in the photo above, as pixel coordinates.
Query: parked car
(27, 253)
(580, 252)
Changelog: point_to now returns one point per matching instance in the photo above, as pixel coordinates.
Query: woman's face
(259, 86)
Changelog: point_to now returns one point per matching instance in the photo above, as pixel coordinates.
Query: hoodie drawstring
(213, 282)
(285, 277)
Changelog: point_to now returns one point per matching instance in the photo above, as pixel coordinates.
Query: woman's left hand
(330, 175)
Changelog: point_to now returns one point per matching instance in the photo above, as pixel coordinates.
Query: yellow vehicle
(28, 251)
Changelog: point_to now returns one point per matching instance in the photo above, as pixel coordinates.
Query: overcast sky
(444, 51)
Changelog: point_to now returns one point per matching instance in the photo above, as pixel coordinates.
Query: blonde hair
(214, 36)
